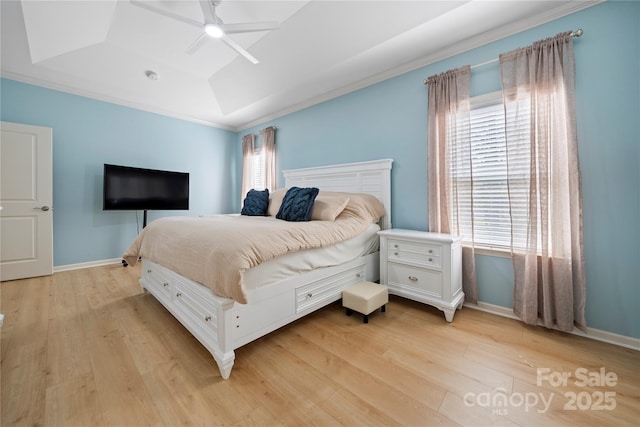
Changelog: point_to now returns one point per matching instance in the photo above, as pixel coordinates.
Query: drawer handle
(165, 284)
(395, 253)
(206, 319)
(395, 246)
(413, 278)
(149, 271)
(309, 295)
(178, 294)
(430, 251)
(430, 259)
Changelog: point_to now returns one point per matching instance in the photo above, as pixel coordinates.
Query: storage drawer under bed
(321, 292)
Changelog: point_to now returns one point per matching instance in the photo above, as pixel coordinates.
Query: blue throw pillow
(256, 203)
(297, 204)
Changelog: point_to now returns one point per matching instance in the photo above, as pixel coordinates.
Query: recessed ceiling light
(151, 75)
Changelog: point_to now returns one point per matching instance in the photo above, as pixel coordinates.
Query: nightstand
(423, 266)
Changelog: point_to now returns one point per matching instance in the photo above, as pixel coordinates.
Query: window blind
(258, 172)
(479, 168)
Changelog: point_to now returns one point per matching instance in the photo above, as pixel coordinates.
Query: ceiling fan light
(213, 30)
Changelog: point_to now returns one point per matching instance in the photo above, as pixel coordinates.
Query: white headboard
(372, 177)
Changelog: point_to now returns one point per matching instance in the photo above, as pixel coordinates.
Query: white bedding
(216, 250)
(293, 263)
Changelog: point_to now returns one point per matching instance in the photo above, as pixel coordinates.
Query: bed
(222, 324)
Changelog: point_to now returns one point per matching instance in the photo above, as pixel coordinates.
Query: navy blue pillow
(297, 204)
(256, 203)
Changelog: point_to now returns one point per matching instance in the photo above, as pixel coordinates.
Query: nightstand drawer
(426, 280)
(425, 254)
(428, 249)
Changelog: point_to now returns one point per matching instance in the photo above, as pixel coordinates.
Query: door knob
(43, 208)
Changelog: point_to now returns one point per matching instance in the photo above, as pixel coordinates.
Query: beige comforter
(215, 250)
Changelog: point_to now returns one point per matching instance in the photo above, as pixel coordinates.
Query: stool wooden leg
(366, 318)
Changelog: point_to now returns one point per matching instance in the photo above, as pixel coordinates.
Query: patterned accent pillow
(297, 204)
(256, 203)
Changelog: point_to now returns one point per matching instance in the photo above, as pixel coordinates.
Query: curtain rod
(268, 127)
(576, 33)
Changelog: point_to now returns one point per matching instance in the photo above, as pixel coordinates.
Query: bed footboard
(196, 307)
(222, 325)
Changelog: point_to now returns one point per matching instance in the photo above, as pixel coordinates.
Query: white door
(26, 196)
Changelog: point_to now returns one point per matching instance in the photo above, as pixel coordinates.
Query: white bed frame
(222, 325)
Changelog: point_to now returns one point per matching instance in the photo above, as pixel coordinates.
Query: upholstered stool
(365, 297)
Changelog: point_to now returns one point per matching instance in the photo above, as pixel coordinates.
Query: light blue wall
(88, 133)
(388, 120)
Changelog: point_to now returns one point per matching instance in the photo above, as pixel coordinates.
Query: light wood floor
(87, 348)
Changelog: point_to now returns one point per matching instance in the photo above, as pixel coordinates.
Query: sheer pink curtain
(538, 85)
(268, 136)
(449, 155)
(247, 164)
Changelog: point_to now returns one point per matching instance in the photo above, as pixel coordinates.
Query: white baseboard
(596, 334)
(89, 264)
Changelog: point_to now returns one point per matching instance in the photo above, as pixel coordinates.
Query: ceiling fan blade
(249, 27)
(147, 6)
(208, 11)
(235, 46)
(197, 44)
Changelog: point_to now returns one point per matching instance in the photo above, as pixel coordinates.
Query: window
(259, 161)
(258, 169)
(485, 176)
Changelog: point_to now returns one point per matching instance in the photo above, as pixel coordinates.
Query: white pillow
(327, 207)
(275, 200)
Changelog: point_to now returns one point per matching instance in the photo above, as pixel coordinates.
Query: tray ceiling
(323, 48)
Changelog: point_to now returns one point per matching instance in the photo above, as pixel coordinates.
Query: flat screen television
(129, 188)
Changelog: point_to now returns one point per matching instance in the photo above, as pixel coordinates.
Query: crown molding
(455, 49)
(110, 99)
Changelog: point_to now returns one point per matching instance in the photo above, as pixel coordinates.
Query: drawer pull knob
(430, 251)
(430, 259)
(178, 294)
(149, 271)
(206, 319)
(165, 284)
(396, 253)
(395, 246)
(413, 278)
(309, 295)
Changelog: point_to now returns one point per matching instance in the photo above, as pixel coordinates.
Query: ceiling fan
(212, 26)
